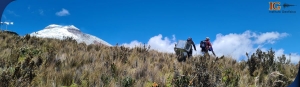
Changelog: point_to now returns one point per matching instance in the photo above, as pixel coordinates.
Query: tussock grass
(44, 62)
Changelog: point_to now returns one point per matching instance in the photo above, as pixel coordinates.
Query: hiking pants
(205, 52)
(190, 53)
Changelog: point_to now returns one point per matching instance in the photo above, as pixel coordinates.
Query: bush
(128, 82)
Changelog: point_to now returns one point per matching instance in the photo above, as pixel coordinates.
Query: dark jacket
(192, 43)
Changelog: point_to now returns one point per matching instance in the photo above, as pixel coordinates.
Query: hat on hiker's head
(207, 38)
(189, 38)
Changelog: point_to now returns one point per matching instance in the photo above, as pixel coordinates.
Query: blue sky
(123, 21)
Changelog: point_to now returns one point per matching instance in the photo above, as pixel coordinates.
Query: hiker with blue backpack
(206, 46)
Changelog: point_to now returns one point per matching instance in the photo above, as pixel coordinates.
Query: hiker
(206, 46)
(191, 42)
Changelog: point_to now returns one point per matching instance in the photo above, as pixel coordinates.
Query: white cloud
(269, 37)
(163, 45)
(294, 56)
(174, 38)
(233, 44)
(156, 43)
(132, 44)
(279, 52)
(63, 12)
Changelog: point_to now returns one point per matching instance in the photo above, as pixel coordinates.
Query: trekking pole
(213, 53)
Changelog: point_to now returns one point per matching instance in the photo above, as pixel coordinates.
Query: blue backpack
(203, 44)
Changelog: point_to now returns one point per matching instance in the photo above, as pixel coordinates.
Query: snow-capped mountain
(60, 32)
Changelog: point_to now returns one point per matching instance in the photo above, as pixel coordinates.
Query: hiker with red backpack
(206, 46)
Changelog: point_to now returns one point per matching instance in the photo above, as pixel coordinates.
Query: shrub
(128, 82)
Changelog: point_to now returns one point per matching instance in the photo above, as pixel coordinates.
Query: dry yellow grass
(67, 63)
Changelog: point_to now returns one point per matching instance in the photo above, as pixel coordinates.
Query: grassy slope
(31, 61)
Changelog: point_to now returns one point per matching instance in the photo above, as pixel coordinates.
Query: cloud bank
(157, 43)
(63, 12)
(233, 44)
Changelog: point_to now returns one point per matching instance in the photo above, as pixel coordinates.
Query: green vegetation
(40, 62)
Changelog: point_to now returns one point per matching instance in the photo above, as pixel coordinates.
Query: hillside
(44, 62)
